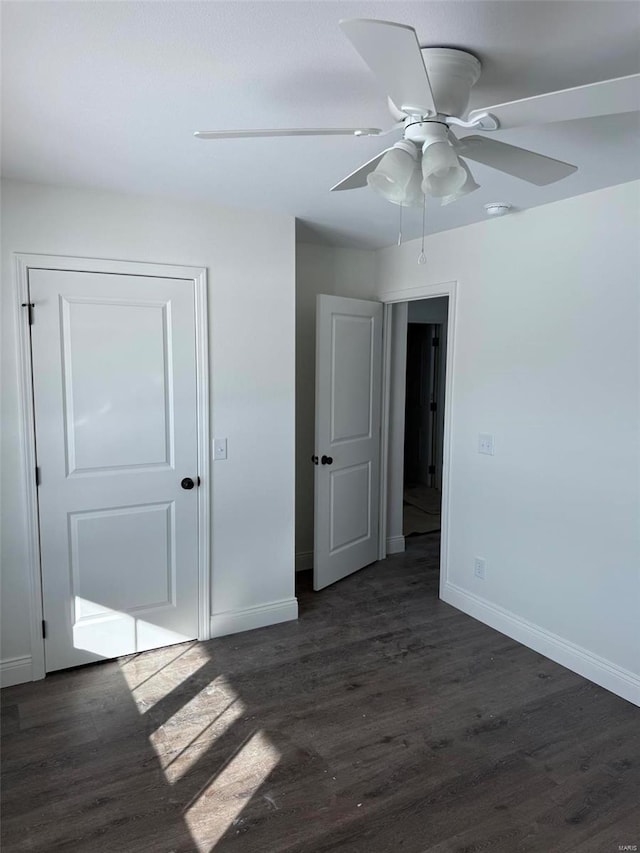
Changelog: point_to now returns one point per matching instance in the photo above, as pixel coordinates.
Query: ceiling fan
(428, 92)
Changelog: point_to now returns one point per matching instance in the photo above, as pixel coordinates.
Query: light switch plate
(485, 444)
(219, 448)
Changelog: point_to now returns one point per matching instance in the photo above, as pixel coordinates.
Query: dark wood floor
(384, 721)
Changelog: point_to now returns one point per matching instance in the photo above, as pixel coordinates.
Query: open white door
(348, 416)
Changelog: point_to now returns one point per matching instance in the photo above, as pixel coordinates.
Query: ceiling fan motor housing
(452, 74)
(426, 133)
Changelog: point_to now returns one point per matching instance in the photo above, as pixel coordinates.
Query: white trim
(385, 401)
(395, 545)
(15, 671)
(204, 455)
(23, 263)
(410, 294)
(28, 448)
(423, 291)
(248, 618)
(304, 561)
(620, 681)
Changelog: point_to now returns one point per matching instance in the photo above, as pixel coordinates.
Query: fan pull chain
(422, 258)
(400, 227)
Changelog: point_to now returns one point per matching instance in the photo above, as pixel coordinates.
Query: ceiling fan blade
(392, 52)
(359, 178)
(527, 165)
(288, 131)
(620, 95)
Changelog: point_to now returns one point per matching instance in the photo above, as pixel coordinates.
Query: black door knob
(327, 460)
(187, 483)
(314, 459)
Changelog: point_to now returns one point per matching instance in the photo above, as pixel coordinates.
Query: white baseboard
(620, 681)
(395, 545)
(234, 621)
(15, 671)
(304, 561)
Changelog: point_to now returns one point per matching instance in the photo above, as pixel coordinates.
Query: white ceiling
(107, 95)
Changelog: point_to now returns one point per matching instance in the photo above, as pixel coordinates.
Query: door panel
(348, 400)
(124, 419)
(115, 414)
(109, 537)
(351, 377)
(350, 498)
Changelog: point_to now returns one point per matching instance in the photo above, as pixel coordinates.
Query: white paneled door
(114, 372)
(347, 452)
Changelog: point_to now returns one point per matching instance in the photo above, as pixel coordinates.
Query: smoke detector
(497, 208)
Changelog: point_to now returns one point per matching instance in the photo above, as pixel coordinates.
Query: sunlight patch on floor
(190, 705)
(218, 805)
(202, 732)
(137, 671)
(154, 679)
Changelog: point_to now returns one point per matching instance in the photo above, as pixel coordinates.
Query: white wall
(250, 261)
(547, 359)
(319, 269)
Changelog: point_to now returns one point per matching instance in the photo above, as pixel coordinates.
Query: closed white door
(114, 371)
(348, 403)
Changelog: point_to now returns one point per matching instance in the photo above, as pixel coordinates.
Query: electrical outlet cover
(479, 566)
(485, 444)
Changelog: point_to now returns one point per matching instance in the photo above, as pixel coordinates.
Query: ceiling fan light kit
(396, 175)
(428, 90)
(441, 170)
(469, 186)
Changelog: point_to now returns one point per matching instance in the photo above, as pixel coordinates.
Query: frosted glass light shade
(441, 170)
(394, 176)
(414, 196)
(469, 186)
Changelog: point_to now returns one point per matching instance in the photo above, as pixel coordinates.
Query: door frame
(389, 298)
(198, 275)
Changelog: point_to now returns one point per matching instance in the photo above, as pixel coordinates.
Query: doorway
(351, 379)
(424, 416)
(434, 307)
(115, 424)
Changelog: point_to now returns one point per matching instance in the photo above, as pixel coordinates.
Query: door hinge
(435, 342)
(433, 407)
(431, 469)
(37, 475)
(29, 306)
(44, 630)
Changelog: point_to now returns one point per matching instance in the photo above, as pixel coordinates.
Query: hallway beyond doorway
(421, 510)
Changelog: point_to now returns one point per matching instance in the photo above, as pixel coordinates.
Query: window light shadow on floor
(186, 696)
(383, 720)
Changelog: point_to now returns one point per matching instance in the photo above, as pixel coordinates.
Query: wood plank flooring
(384, 721)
